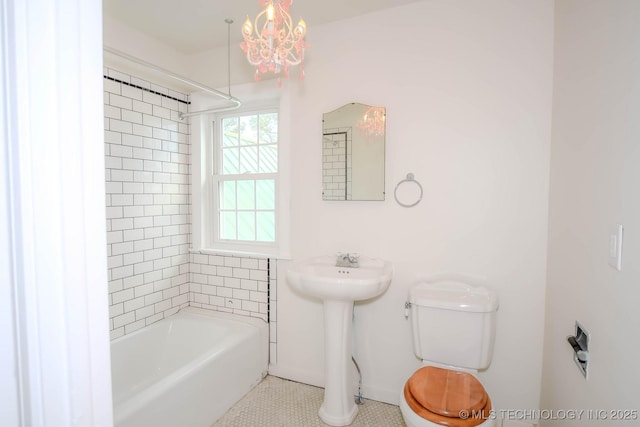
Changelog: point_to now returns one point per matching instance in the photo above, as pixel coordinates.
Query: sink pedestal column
(338, 408)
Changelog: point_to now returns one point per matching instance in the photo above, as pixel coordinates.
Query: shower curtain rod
(237, 103)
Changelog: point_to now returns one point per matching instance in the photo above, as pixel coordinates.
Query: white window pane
(228, 225)
(248, 130)
(266, 226)
(227, 195)
(230, 134)
(246, 195)
(265, 194)
(268, 128)
(268, 159)
(230, 161)
(249, 159)
(246, 226)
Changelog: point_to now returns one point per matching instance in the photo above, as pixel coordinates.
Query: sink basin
(320, 278)
(338, 288)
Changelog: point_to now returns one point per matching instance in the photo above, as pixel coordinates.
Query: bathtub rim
(261, 324)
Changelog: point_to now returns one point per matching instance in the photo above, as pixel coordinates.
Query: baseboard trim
(313, 378)
(298, 375)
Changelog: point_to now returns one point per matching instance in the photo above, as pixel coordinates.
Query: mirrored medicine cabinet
(353, 153)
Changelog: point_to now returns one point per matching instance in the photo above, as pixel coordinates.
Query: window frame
(219, 177)
(214, 177)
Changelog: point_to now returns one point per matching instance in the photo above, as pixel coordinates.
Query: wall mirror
(353, 143)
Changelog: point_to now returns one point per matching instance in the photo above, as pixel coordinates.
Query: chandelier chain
(229, 21)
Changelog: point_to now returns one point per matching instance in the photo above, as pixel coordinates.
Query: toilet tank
(453, 323)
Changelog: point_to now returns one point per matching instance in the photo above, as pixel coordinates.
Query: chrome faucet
(347, 260)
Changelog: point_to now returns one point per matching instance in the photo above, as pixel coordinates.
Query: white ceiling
(192, 26)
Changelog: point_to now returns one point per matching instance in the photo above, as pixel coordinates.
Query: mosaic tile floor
(276, 402)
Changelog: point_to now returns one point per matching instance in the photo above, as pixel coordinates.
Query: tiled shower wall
(148, 201)
(336, 164)
(239, 285)
(151, 272)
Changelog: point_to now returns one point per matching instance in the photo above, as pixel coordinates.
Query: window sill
(252, 254)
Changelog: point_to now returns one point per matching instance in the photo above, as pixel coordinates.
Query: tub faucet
(347, 260)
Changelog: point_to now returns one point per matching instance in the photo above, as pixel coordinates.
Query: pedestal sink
(338, 288)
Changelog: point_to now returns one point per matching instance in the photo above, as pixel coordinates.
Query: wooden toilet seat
(442, 395)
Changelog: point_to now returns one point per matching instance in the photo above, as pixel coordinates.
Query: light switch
(615, 247)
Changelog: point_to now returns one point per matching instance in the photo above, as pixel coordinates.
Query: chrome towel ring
(411, 179)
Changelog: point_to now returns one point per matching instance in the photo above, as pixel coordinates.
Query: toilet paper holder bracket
(580, 345)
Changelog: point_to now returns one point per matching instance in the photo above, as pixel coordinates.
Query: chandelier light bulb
(247, 27)
(270, 12)
(301, 28)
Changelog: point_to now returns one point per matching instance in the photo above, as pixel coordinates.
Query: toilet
(453, 330)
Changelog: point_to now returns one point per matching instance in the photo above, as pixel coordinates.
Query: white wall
(467, 87)
(594, 185)
(132, 42)
(212, 67)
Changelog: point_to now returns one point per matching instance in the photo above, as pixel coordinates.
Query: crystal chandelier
(272, 44)
(373, 121)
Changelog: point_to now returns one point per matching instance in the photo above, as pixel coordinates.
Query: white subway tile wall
(147, 156)
(273, 310)
(336, 164)
(231, 284)
(148, 200)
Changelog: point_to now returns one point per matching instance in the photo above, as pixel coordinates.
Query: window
(241, 179)
(245, 179)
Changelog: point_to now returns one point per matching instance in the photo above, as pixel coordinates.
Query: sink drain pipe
(358, 397)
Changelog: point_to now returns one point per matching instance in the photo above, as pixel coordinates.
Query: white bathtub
(188, 369)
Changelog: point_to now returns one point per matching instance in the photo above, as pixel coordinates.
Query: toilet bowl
(453, 329)
(443, 397)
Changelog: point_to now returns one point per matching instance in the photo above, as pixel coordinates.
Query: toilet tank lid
(451, 295)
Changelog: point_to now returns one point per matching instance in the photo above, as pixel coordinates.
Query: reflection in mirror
(353, 153)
